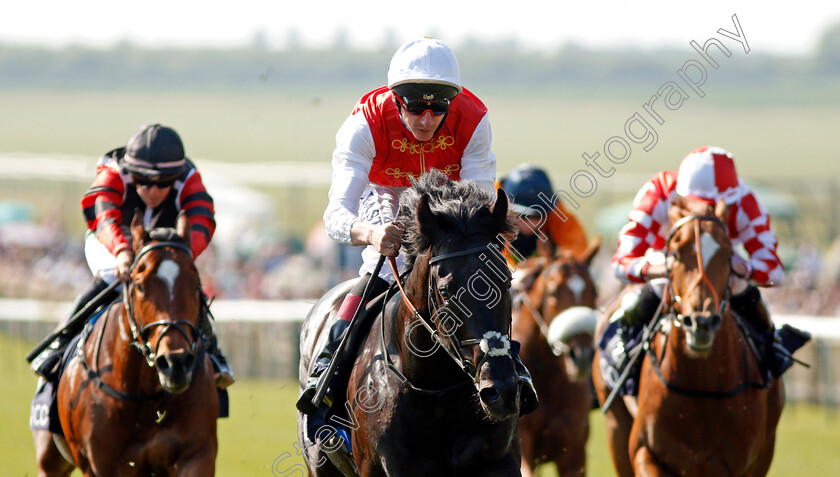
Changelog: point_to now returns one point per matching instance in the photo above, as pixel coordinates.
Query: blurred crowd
(53, 267)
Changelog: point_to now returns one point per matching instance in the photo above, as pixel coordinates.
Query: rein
(492, 343)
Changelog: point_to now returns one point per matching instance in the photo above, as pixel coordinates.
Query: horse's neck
(121, 364)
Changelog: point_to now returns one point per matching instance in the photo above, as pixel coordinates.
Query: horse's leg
(619, 423)
(526, 442)
(199, 465)
(646, 465)
(49, 458)
(573, 463)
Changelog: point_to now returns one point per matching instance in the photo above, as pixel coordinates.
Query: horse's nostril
(489, 396)
(688, 321)
(162, 364)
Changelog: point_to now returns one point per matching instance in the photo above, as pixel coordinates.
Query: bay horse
(434, 389)
(554, 319)
(138, 398)
(704, 406)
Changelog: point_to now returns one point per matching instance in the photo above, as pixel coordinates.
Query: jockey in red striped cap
(150, 176)
(706, 173)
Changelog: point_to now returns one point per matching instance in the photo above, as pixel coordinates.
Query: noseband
(139, 334)
(493, 343)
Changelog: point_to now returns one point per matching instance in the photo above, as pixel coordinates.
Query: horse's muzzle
(498, 388)
(700, 329)
(175, 370)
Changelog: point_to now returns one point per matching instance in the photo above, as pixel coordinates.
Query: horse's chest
(712, 437)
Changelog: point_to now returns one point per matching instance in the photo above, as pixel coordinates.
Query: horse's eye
(140, 288)
(444, 293)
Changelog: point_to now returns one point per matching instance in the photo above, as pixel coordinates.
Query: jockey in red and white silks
(377, 153)
(706, 173)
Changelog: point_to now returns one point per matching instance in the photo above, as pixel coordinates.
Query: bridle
(676, 301)
(139, 334)
(493, 343)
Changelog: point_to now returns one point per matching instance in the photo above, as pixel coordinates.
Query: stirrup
(304, 403)
(341, 457)
(223, 374)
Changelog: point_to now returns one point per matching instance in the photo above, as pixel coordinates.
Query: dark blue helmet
(524, 185)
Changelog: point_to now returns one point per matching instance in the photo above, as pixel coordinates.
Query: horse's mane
(462, 208)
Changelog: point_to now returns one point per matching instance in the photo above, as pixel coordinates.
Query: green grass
(261, 432)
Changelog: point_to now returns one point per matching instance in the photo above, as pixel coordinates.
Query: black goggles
(418, 107)
(147, 183)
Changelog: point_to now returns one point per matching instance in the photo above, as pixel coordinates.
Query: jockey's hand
(125, 258)
(739, 268)
(659, 270)
(387, 239)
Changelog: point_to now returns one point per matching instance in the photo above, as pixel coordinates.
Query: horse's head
(699, 271)
(164, 304)
(462, 283)
(560, 294)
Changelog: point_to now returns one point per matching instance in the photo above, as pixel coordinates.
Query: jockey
(149, 176)
(708, 174)
(538, 217)
(423, 119)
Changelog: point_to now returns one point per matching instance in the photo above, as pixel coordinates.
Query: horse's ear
(590, 252)
(678, 209)
(500, 208)
(426, 220)
(545, 248)
(138, 231)
(527, 279)
(182, 226)
(722, 211)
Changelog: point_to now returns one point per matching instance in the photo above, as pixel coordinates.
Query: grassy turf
(259, 437)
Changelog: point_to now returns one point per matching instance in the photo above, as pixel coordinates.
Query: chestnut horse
(704, 407)
(434, 390)
(554, 319)
(139, 397)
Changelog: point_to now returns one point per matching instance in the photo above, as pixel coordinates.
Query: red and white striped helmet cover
(708, 173)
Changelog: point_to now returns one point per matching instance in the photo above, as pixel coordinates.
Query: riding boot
(528, 399)
(322, 362)
(637, 309)
(48, 362)
(224, 374)
(778, 345)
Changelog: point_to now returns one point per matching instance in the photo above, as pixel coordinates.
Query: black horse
(433, 390)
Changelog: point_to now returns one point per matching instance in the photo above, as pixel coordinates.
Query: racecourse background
(785, 142)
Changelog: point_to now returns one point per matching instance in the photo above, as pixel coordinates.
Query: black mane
(462, 209)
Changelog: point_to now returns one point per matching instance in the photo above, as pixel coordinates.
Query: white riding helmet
(425, 61)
